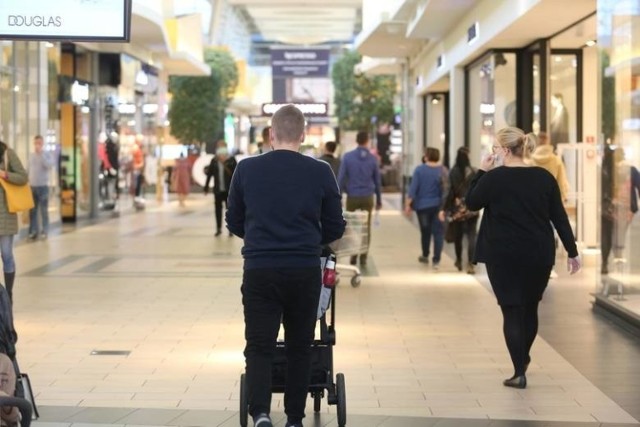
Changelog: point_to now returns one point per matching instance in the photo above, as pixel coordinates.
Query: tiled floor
(417, 347)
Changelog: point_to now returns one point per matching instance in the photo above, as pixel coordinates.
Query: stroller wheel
(355, 281)
(244, 401)
(342, 400)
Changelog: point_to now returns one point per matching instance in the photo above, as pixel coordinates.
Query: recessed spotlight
(590, 43)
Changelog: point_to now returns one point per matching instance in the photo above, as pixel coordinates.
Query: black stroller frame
(321, 371)
(23, 396)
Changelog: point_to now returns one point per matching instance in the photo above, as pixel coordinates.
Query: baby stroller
(321, 364)
(14, 386)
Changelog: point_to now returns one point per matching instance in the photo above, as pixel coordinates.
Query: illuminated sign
(311, 109)
(90, 20)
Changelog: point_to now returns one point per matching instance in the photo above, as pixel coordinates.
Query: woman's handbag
(19, 197)
(449, 232)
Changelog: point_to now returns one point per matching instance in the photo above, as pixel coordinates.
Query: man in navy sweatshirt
(285, 206)
(359, 177)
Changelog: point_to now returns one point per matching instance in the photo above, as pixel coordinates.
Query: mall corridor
(417, 347)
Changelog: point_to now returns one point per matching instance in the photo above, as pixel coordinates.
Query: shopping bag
(19, 197)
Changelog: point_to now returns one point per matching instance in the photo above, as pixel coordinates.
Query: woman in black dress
(516, 241)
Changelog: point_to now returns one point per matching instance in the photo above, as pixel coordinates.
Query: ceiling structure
(300, 23)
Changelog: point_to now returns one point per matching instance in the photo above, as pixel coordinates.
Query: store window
(491, 100)
(619, 44)
(436, 119)
(563, 104)
(6, 90)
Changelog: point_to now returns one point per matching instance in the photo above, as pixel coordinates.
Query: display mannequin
(559, 121)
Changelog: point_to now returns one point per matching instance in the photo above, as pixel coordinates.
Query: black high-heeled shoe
(516, 382)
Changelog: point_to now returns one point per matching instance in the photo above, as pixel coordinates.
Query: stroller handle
(23, 405)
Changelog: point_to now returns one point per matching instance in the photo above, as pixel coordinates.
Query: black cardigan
(520, 205)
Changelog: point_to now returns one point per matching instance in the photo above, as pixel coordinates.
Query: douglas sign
(66, 20)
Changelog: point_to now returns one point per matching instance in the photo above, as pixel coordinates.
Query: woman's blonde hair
(516, 141)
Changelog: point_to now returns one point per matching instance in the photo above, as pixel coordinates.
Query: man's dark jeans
(269, 296)
(219, 197)
(430, 225)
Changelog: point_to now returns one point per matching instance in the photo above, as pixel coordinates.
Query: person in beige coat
(544, 157)
(15, 173)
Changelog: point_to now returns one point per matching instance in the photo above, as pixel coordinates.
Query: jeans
(430, 225)
(219, 198)
(6, 251)
(41, 203)
(269, 296)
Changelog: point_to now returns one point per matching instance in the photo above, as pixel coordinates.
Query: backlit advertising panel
(78, 20)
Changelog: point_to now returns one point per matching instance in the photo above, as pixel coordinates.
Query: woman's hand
(574, 265)
(441, 216)
(4, 175)
(487, 162)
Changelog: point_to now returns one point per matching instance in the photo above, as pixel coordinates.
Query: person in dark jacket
(516, 240)
(463, 221)
(285, 206)
(330, 157)
(221, 170)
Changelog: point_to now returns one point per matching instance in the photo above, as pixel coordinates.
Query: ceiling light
(590, 43)
(435, 100)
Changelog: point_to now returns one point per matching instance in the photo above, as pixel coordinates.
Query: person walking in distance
(221, 170)
(11, 170)
(544, 157)
(330, 157)
(359, 177)
(426, 196)
(463, 221)
(40, 164)
(515, 241)
(285, 206)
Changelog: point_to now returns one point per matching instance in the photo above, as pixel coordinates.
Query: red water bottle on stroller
(329, 275)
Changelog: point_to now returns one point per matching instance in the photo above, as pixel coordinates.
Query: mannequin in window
(559, 121)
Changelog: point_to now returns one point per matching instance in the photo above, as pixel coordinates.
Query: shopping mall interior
(129, 312)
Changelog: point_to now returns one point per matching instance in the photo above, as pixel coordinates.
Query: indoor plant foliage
(361, 100)
(198, 104)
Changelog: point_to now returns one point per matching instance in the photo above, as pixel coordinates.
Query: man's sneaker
(293, 424)
(43, 236)
(262, 420)
(32, 236)
(423, 259)
(436, 266)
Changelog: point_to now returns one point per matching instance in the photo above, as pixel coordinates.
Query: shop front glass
(563, 89)
(28, 103)
(619, 43)
(492, 100)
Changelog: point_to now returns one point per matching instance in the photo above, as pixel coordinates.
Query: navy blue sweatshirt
(285, 206)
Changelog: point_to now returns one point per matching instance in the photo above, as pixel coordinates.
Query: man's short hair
(265, 134)
(330, 146)
(38, 137)
(362, 137)
(288, 124)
